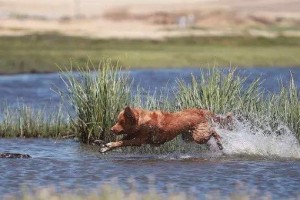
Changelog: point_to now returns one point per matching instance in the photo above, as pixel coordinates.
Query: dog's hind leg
(204, 132)
(217, 138)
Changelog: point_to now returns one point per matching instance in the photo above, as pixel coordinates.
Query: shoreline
(46, 53)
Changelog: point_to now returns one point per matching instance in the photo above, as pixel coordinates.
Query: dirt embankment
(150, 19)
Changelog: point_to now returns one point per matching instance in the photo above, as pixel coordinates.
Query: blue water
(73, 166)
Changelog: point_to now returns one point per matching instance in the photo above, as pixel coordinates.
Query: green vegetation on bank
(42, 53)
(25, 121)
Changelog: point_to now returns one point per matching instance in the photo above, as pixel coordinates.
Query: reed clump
(285, 106)
(225, 91)
(220, 91)
(97, 94)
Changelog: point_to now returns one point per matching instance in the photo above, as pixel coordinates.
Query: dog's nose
(112, 130)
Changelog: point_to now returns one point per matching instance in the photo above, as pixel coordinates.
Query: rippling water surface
(263, 163)
(71, 165)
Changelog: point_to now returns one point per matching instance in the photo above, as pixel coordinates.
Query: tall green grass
(97, 95)
(25, 121)
(220, 91)
(226, 91)
(286, 106)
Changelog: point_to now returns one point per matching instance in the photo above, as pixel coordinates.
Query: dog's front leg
(121, 143)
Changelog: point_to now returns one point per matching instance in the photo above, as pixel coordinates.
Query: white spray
(246, 140)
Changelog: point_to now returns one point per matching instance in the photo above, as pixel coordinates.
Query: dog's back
(164, 126)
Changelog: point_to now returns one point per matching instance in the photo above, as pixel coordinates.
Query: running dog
(156, 127)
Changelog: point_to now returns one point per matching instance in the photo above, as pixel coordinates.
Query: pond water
(69, 165)
(265, 164)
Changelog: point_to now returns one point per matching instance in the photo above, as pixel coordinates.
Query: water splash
(247, 139)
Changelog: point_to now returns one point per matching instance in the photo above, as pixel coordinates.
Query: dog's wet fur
(156, 127)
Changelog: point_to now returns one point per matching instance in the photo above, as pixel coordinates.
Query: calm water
(263, 163)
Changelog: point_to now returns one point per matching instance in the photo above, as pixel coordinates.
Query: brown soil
(150, 19)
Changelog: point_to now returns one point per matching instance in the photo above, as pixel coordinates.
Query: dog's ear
(129, 113)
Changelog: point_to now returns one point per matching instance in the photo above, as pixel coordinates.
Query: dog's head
(127, 122)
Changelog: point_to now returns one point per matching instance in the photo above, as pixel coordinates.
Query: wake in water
(247, 139)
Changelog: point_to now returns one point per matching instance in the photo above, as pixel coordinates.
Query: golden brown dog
(157, 127)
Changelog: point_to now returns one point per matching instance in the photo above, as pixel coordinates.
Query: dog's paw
(104, 149)
(110, 144)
